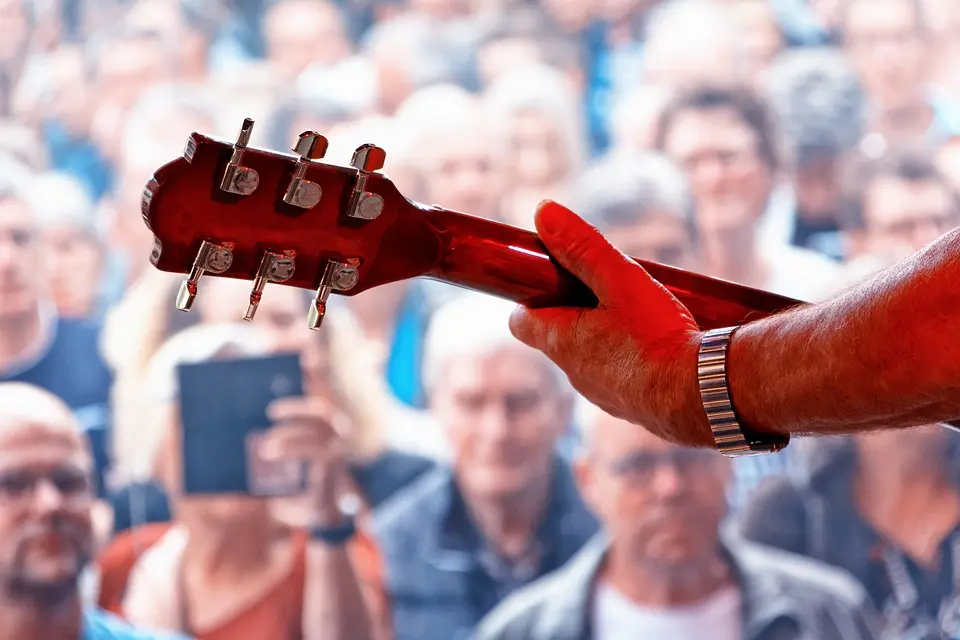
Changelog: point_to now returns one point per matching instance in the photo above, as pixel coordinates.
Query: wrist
(326, 509)
(686, 421)
(334, 534)
(742, 345)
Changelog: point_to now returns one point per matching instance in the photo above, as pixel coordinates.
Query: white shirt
(800, 273)
(615, 617)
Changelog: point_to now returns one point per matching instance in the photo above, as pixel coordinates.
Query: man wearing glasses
(664, 570)
(46, 532)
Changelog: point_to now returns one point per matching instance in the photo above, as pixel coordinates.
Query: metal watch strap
(728, 434)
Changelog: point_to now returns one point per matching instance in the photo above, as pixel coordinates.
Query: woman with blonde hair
(336, 363)
(277, 580)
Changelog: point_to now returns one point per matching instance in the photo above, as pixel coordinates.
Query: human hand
(304, 429)
(635, 354)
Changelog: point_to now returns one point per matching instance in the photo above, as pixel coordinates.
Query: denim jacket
(436, 579)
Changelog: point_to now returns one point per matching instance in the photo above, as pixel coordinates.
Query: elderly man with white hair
(504, 511)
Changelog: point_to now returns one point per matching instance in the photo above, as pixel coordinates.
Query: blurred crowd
(459, 487)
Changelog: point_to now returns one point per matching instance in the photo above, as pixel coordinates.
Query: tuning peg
(337, 276)
(363, 204)
(274, 267)
(236, 178)
(303, 193)
(212, 258)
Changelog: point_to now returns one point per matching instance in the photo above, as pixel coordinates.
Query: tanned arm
(882, 355)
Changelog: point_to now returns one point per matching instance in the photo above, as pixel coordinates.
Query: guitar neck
(512, 263)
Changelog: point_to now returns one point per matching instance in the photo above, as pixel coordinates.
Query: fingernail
(547, 219)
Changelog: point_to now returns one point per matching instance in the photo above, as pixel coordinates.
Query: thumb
(581, 249)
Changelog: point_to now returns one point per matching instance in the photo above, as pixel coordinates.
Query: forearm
(882, 355)
(334, 607)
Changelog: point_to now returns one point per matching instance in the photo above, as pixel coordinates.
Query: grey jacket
(785, 597)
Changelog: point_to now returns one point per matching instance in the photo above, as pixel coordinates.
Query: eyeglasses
(19, 487)
(642, 466)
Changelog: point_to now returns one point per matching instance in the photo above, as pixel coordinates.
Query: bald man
(663, 569)
(46, 530)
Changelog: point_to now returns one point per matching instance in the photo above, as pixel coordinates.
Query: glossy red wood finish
(183, 205)
(512, 263)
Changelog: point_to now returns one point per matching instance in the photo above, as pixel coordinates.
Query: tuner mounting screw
(337, 276)
(236, 178)
(212, 258)
(274, 267)
(363, 204)
(302, 193)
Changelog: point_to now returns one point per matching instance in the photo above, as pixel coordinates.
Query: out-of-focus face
(572, 15)
(662, 503)
(166, 17)
(71, 99)
(46, 534)
(886, 43)
(902, 216)
(460, 172)
(125, 67)
(501, 56)
(74, 266)
(761, 37)
(302, 32)
(442, 9)
(21, 260)
(618, 10)
(829, 13)
(904, 450)
(635, 120)
(503, 414)
(661, 237)
(13, 17)
(719, 153)
(537, 151)
(673, 62)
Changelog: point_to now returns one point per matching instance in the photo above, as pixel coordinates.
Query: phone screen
(223, 417)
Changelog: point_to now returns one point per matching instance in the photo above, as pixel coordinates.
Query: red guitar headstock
(229, 210)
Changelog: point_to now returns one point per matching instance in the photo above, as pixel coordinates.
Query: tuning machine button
(274, 267)
(363, 204)
(212, 258)
(337, 276)
(303, 193)
(237, 178)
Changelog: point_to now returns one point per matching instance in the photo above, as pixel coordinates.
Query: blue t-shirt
(73, 370)
(100, 625)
